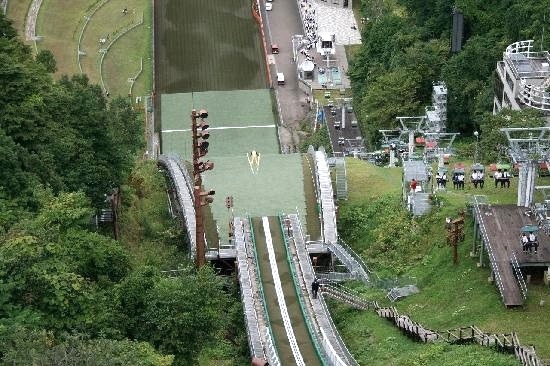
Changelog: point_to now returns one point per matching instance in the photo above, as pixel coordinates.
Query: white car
(268, 6)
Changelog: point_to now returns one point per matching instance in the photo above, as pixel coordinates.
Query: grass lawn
(451, 295)
(123, 59)
(61, 22)
(17, 13)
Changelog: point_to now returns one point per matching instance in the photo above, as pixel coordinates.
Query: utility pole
(455, 234)
(199, 128)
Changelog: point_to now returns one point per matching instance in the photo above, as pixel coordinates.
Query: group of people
(310, 25)
(458, 180)
(478, 178)
(441, 179)
(529, 242)
(502, 177)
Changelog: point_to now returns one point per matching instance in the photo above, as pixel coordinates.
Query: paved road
(281, 24)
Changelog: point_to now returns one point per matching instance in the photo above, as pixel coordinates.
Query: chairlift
(528, 229)
(478, 167)
(459, 169)
(531, 243)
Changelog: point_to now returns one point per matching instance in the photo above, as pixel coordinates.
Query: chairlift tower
(527, 148)
(436, 114)
(410, 126)
(393, 139)
(438, 144)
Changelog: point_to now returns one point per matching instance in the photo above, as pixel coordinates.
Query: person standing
(315, 287)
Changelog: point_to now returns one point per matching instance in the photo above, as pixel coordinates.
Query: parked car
(268, 6)
(280, 78)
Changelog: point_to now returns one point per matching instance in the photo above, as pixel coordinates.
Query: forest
(407, 46)
(69, 292)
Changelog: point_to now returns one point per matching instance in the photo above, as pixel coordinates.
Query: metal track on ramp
(275, 270)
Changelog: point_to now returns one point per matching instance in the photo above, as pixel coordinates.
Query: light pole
(199, 128)
(476, 134)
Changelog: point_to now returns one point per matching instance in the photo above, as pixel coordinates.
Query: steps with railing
(506, 343)
(341, 178)
(345, 296)
(519, 275)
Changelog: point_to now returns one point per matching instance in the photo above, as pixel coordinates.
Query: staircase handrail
(485, 237)
(295, 283)
(358, 258)
(519, 275)
(509, 342)
(336, 361)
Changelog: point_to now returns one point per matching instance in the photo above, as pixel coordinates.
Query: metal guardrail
(295, 282)
(184, 196)
(330, 337)
(519, 275)
(485, 236)
(247, 296)
(325, 195)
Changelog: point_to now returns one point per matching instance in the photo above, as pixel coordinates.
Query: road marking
(225, 128)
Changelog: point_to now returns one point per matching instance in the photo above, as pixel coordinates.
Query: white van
(280, 78)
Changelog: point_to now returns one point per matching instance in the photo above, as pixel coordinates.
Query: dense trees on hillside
(406, 47)
(65, 135)
(69, 293)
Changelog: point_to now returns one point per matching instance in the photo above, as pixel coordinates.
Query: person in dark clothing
(315, 287)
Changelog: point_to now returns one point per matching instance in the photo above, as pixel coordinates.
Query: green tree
(38, 347)
(390, 95)
(46, 58)
(493, 140)
(184, 314)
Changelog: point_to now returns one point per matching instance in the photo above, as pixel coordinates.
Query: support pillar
(392, 158)
(526, 184)
(480, 264)
(474, 245)
(411, 143)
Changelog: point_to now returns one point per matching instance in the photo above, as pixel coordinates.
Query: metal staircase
(351, 260)
(341, 178)
(345, 295)
(421, 204)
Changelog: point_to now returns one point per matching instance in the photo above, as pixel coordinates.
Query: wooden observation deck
(499, 228)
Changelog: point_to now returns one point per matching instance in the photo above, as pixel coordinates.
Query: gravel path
(30, 24)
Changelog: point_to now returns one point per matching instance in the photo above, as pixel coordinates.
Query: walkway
(500, 237)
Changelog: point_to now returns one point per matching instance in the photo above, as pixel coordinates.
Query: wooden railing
(506, 343)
